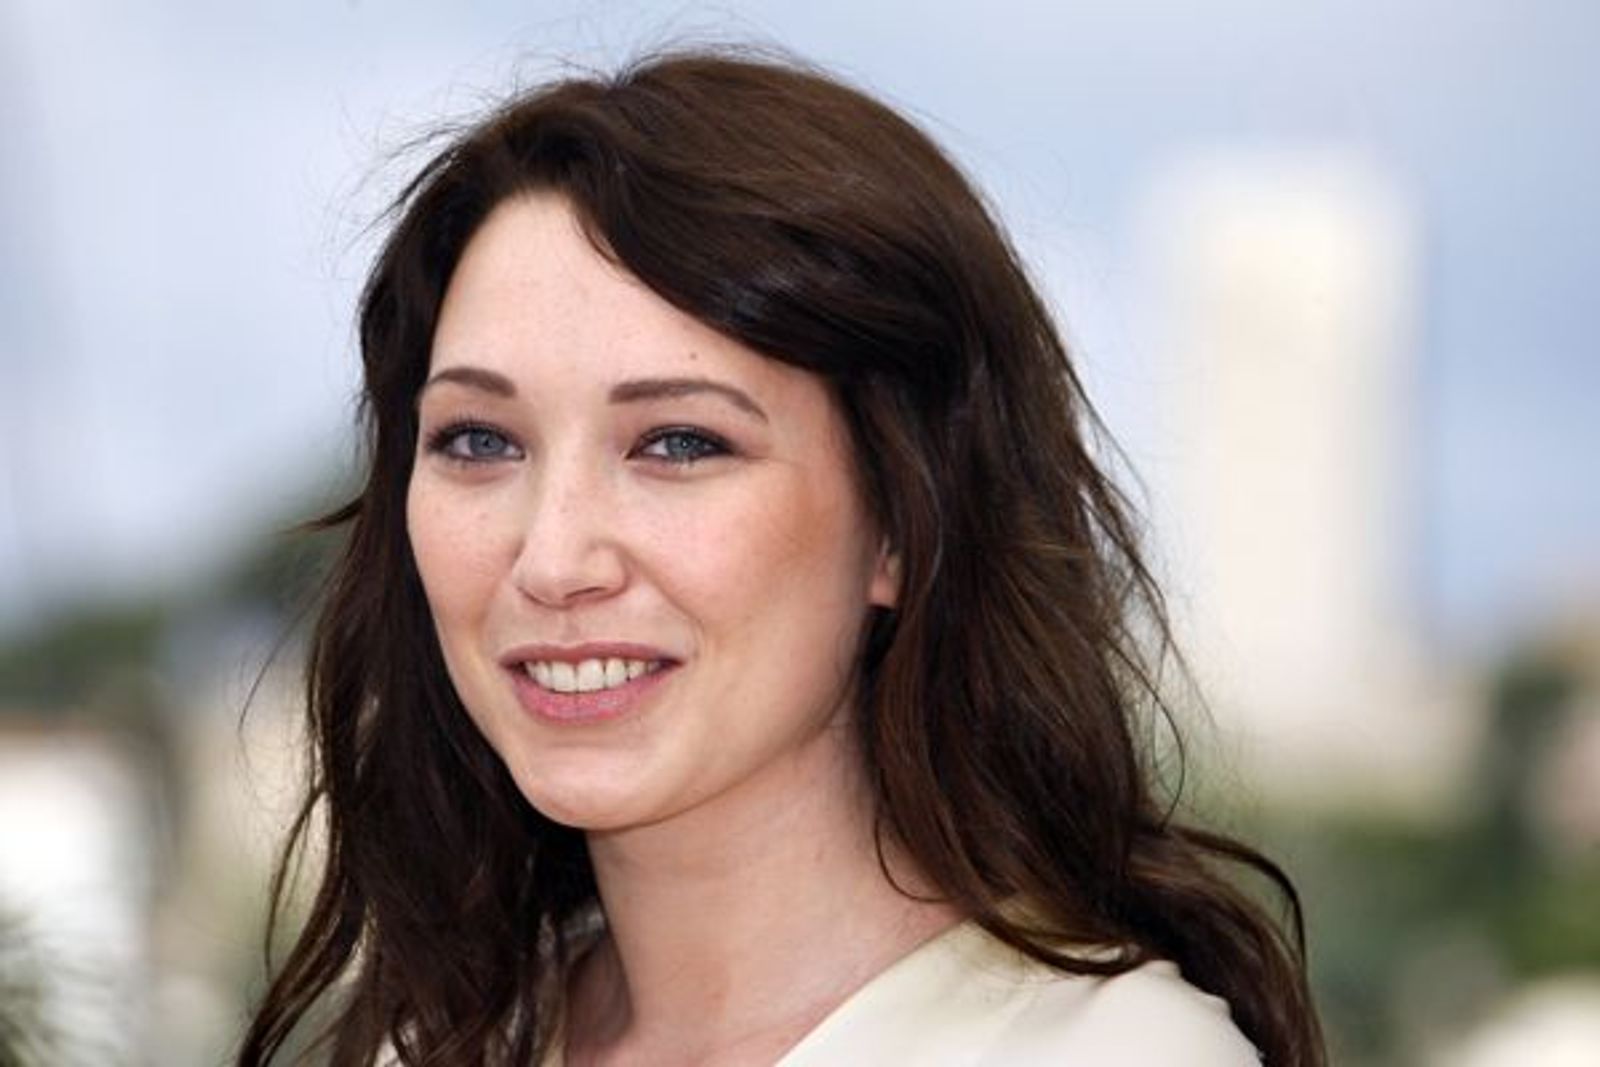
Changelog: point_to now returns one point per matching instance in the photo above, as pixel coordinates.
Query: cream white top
(966, 999)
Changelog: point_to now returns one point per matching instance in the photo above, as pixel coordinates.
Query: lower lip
(595, 706)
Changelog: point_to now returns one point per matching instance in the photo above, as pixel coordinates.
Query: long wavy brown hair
(1004, 703)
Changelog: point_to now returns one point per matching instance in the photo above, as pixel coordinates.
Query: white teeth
(616, 673)
(563, 679)
(587, 676)
(591, 675)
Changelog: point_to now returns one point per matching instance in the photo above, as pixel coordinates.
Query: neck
(735, 928)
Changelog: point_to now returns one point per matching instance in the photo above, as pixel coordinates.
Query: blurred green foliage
(63, 662)
(26, 1039)
(53, 668)
(1417, 928)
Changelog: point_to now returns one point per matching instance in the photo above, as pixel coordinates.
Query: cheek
(785, 548)
(457, 553)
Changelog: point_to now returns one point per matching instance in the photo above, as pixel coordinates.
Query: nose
(569, 552)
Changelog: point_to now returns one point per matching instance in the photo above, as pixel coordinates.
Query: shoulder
(1147, 1016)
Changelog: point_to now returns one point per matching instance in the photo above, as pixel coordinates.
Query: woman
(735, 655)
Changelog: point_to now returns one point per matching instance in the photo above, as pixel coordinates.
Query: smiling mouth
(590, 675)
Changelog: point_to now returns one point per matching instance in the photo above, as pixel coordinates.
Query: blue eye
(681, 446)
(473, 443)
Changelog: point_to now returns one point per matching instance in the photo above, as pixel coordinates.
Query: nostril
(568, 553)
(563, 577)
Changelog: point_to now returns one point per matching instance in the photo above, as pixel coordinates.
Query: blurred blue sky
(183, 189)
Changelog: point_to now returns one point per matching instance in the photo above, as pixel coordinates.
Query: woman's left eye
(681, 446)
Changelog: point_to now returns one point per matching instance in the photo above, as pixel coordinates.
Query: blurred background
(1328, 269)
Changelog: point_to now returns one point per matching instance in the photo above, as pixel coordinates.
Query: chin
(585, 800)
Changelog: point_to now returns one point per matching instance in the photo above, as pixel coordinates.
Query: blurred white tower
(1284, 290)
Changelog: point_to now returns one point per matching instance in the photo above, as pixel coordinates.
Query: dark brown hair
(1001, 701)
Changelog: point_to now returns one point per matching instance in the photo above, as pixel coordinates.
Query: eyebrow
(474, 378)
(670, 388)
(629, 392)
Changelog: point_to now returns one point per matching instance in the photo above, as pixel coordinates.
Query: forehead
(531, 296)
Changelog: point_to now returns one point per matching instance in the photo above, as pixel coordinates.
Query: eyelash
(704, 444)
(443, 441)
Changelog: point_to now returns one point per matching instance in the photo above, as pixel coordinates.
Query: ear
(884, 592)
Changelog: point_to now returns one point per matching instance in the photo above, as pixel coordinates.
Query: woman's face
(642, 543)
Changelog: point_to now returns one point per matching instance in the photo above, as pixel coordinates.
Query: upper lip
(543, 653)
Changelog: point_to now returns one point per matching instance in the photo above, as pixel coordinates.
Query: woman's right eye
(473, 443)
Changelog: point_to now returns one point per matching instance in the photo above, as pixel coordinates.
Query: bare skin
(733, 933)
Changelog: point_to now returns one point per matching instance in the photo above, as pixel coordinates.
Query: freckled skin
(753, 568)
